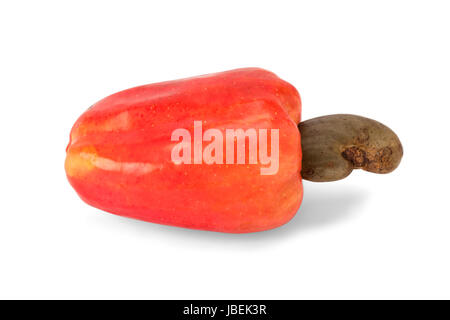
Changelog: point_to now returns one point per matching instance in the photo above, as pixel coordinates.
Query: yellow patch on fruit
(80, 163)
(77, 164)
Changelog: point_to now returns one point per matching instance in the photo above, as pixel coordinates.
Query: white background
(367, 236)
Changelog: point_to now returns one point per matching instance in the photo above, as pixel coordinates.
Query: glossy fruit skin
(119, 155)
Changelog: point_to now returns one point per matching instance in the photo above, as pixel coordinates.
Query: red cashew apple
(184, 153)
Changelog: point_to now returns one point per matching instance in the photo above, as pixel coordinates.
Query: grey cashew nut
(334, 145)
